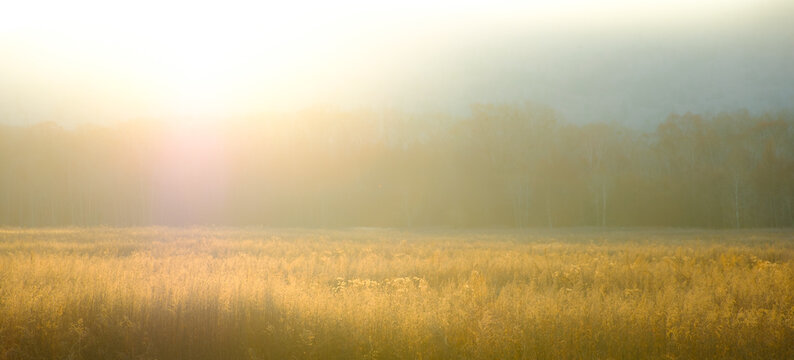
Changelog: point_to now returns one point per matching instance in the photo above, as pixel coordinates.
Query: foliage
(503, 165)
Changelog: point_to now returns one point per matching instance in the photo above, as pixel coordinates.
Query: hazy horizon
(615, 61)
(596, 179)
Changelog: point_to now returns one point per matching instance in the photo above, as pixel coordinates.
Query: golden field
(159, 293)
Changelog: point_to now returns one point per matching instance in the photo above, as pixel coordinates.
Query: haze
(186, 62)
(573, 179)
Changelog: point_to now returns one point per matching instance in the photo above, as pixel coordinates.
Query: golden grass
(147, 293)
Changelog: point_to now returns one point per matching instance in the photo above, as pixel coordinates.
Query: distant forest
(501, 166)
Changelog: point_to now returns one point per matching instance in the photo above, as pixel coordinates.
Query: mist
(591, 61)
(572, 179)
(575, 113)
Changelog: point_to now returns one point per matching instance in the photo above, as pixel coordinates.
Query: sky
(633, 62)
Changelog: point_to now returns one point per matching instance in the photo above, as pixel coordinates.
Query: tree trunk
(548, 212)
(736, 201)
(603, 204)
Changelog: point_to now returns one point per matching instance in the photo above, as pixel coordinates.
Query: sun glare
(405, 179)
(182, 59)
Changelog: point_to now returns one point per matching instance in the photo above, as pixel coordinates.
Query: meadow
(206, 293)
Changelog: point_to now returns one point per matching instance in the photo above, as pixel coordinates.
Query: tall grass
(145, 293)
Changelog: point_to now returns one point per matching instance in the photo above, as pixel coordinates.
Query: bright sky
(100, 60)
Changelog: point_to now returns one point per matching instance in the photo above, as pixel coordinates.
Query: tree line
(507, 165)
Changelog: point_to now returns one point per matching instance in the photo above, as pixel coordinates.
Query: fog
(613, 61)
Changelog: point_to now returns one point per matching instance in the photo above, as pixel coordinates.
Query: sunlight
(192, 60)
(357, 179)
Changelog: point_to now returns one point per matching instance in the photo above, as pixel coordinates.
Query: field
(159, 293)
